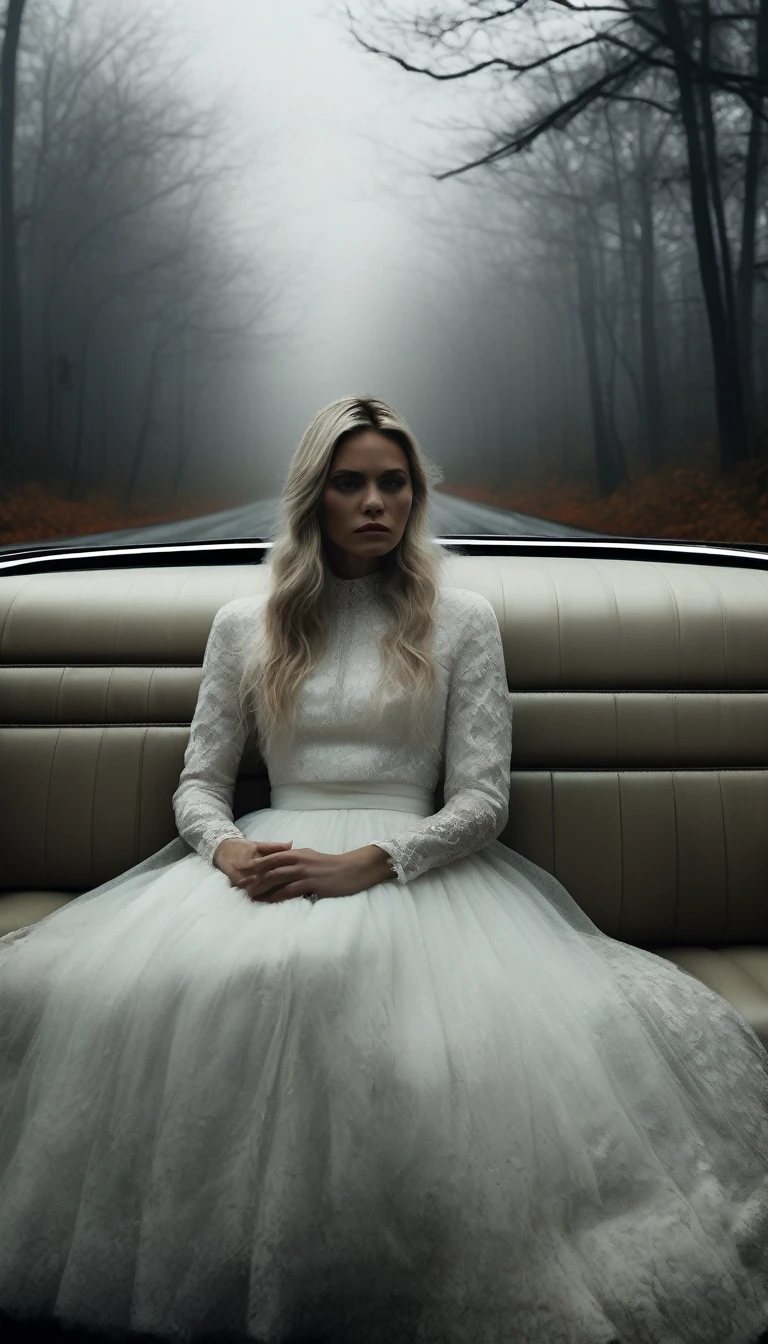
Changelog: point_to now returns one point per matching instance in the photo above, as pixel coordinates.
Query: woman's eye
(395, 484)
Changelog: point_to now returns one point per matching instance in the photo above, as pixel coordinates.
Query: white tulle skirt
(448, 1112)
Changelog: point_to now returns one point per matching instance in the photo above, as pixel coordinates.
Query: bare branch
(494, 62)
(556, 119)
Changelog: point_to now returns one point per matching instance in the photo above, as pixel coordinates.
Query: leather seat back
(640, 736)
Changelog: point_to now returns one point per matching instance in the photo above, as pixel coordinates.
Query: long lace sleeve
(202, 803)
(478, 747)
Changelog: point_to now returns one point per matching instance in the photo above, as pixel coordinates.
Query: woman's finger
(267, 864)
(273, 895)
(278, 876)
(261, 863)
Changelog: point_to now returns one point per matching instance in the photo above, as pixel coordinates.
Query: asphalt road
(450, 517)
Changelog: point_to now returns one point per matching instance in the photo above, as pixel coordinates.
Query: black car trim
(245, 551)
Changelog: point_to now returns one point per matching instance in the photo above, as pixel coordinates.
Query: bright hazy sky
(345, 153)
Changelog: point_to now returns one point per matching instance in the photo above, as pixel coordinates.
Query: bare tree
(705, 58)
(133, 280)
(11, 367)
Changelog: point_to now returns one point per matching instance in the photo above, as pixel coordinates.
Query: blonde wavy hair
(293, 636)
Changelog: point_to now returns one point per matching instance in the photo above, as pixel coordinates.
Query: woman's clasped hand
(272, 871)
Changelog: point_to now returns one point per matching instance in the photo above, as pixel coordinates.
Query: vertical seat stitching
(621, 857)
(553, 586)
(186, 582)
(46, 846)
(102, 735)
(599, 567)
(140, 791)
(500, 578)
(676, 920)
(73, 614)
(725, 856)
(110, 679)
(727, 955)
(123, 604)
(8, 620)
(723, 624)
(679, 640)
(62, 675)
(552, 814)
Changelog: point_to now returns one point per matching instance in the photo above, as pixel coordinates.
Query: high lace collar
(354, 591)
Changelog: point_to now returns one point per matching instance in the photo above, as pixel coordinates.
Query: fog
(343, 154)
(229, 215)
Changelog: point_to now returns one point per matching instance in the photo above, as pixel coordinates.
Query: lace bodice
(339, 737)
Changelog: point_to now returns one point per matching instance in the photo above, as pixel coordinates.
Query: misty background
(227, 216)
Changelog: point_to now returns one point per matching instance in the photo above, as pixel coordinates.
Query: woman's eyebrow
(348, 471)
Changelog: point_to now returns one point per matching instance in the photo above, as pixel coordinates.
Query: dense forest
(591, 310)
(130, 306)
(622, 211)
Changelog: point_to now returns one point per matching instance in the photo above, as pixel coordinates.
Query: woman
(349, 1067)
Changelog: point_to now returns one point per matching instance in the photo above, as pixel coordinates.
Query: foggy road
(450, 517)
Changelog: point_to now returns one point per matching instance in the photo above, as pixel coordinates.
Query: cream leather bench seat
(640, 739)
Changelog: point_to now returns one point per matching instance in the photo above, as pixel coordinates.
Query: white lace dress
(445, 1110)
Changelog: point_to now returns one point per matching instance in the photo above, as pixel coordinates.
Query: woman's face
(369, 482)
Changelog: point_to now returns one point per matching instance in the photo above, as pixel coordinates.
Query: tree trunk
(607, 310)
(77, 453)
(101, 452)
(745, 292)
(568, 398)
(11, 360)
(49, 359)
(718, 209)
(539, 375)
(50, 403)
(605, 466)
(653, 396)
(146, 421)
(732, 430)
(688, 333)
(182, 447)
(628, 336)
(501, 434)
(713, 169)
(610, 405)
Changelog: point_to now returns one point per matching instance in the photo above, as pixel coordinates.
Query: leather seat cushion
(19, 908)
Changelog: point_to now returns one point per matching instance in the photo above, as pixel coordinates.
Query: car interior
(638, 673)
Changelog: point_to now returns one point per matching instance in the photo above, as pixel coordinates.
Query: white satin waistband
(372, 793)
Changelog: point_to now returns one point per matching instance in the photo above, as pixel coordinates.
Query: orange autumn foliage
(682, 502)
(33, 512)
